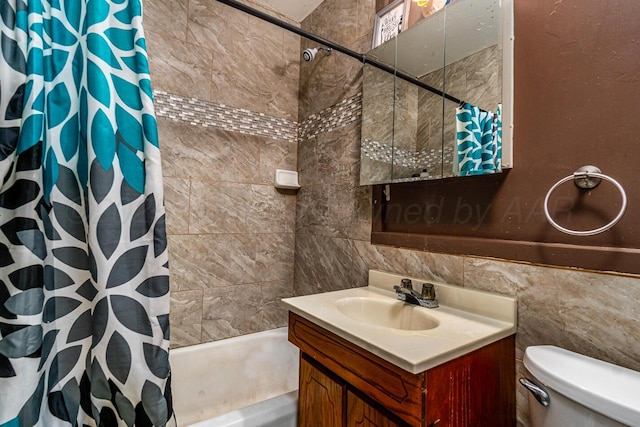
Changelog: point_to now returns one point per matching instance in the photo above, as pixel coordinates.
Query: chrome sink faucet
(426, 298)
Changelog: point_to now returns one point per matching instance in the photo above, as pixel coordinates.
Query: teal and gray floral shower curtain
(84, 310)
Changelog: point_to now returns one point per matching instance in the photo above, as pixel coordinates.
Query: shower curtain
(84, 310)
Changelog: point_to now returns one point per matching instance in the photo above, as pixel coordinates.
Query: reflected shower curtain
(84, 310)
(479, 141)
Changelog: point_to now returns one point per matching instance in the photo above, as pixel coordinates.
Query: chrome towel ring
(586, 177)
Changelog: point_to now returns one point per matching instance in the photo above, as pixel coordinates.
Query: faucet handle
(428, 292)
(406, 283)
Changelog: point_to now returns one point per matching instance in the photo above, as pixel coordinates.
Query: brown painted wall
(577, 77)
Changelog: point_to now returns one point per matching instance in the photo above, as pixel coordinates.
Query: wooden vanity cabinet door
(397, 390)
(362, 414)
(322, 397)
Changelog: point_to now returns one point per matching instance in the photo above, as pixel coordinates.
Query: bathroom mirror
(409, 133)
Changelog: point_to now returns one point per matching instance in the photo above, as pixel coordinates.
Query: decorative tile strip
(426, 159)
(374, 150)
(344, 112)
(204, 113)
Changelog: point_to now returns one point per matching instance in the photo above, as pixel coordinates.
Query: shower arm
(359, 56)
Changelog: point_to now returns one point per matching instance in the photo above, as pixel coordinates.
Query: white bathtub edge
(212, 379)
(279, 411)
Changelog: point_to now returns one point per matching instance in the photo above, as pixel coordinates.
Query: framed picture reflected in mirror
(390, 22)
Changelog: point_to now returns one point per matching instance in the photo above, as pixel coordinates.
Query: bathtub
(245, 381)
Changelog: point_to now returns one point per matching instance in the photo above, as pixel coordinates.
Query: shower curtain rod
(359, 56)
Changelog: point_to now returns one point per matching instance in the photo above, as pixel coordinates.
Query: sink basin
(411, 337)
(387, 313)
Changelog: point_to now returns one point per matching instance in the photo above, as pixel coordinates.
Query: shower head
(309, 54)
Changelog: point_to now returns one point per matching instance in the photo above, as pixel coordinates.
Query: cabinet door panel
(321, 399)
(361, 414)
(400, 391)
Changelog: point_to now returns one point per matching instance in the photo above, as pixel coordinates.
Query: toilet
(579, 391)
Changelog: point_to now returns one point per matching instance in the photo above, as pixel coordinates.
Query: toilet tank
(584, 390)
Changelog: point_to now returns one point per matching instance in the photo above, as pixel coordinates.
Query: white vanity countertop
(468, 320)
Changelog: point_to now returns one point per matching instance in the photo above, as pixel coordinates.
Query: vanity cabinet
(342, 384)
(320, 397)
(363, 414)
(326, 400)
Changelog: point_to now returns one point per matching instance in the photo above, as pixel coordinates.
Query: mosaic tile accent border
(374, 150)
(344, 112)
(204, 113)
(427, 159)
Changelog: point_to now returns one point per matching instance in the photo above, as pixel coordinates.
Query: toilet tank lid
(603, 387)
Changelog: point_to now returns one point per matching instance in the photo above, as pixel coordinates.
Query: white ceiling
(295, 10)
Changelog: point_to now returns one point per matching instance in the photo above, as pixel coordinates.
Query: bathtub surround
(343, 113)
(225, 128)
(231, 234)
(231, 238)
(196, 48)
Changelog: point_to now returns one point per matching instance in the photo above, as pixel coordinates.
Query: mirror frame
(508, 43)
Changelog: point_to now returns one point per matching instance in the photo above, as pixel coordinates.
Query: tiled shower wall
(227, 105)
(596, 314)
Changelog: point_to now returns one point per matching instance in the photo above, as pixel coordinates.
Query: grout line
(202, 315)
(189, 206)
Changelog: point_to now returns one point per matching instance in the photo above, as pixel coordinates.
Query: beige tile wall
(231, 233)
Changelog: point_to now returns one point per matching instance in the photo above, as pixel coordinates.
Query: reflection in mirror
(419, 51)
(410, 133)
(376, 156)
(473, 73)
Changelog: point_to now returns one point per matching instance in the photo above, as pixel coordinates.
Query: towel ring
(586, 177)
